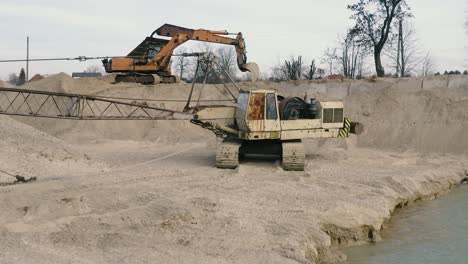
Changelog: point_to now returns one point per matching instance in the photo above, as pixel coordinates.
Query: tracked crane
(153, 55)
(255, 121)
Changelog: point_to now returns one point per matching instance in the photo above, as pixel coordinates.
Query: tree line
(218, 65)
(17, 80)
(383, 33)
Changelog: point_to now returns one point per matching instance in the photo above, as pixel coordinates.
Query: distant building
(36, 77)
(86, 74)
(335, 77)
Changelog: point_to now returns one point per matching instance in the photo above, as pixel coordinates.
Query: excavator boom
(181, 35)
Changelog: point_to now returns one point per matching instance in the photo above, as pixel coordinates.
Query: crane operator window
(271, 113)
(151, 52)
(243, 101)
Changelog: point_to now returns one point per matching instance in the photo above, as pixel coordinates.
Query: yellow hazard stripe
(347, 123)
(346, 128)
(343, 133)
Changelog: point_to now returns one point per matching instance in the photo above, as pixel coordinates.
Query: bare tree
(292, 69)
(277, 73)
(311, 71)
(404, 51)
(330, 59)
(227, 60)
(347, 58)
(263, 76)
(94, 69)
(214, 64)
(181, 63)
(352, 55)
(361, 66)
(13, 78)
(205, 66)
(212, 67)
(427, 65)
(374, 20)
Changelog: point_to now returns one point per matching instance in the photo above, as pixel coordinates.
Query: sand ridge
(4, 84)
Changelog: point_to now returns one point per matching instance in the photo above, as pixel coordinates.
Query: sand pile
(60, 82)
(421, 120)
(27, 151)
(4, 84)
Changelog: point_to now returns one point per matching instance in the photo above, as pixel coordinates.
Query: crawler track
(227, 153)
(293, 155)
(135, 78)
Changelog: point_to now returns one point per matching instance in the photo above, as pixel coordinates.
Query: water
(429, 232)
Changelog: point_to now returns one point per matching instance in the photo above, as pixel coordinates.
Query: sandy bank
(140, 193)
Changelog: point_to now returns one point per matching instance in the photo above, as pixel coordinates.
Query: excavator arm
(180, 35)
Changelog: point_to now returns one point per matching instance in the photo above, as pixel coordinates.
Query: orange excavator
(153, 55)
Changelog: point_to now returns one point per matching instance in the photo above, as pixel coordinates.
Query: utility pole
(182, 68)
(27, 58)
(398, 54)
(402, 49)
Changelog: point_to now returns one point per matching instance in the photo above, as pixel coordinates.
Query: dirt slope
(27, 151)
(421, 120)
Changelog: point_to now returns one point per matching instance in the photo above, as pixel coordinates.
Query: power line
(85, 58)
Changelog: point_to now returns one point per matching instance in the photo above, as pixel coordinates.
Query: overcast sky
(273, 29)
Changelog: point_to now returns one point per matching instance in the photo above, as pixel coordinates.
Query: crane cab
(263, 114)
(257, 115)
(267, 124)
